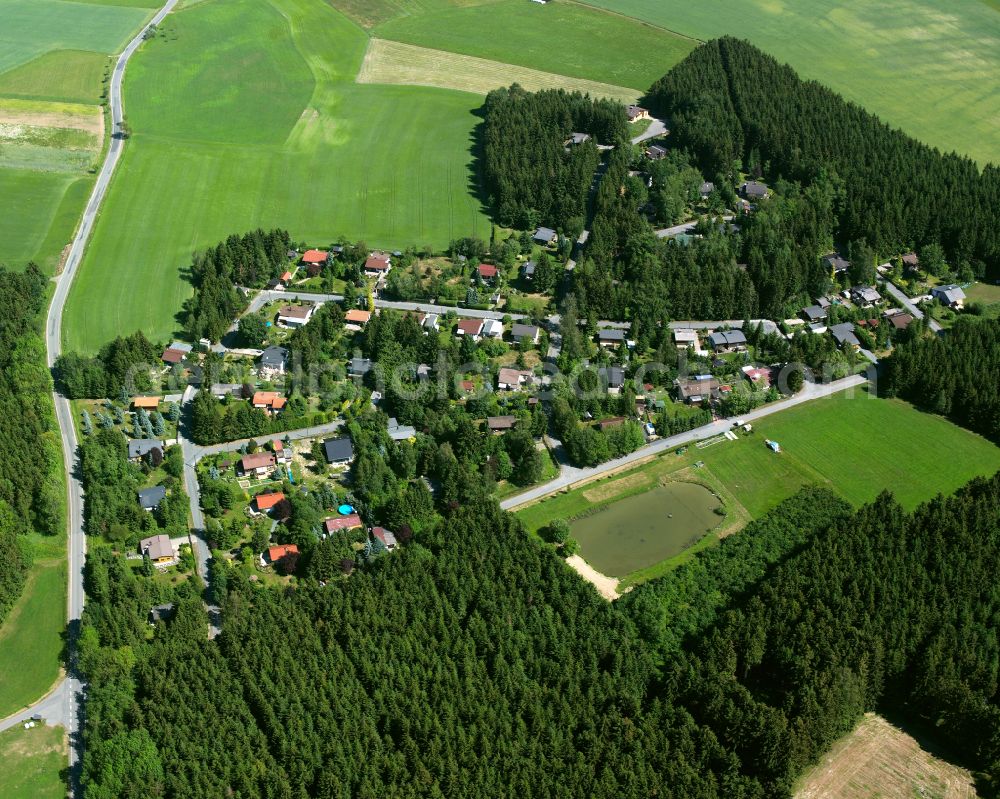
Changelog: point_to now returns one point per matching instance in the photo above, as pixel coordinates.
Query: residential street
(264, 297)
(63, 705)
(907, 303)
(569, 475)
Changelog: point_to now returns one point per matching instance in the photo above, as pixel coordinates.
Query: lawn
(985, 293)
(931, 69)
(409, 65)
(246, 113)
(858, 446)
(32, 634)
(563, 38)
(31, 762)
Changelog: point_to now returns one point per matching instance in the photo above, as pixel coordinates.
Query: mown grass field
(32, 635)
(247, 113)
(31, 762)
(52, 52)
(932, 69)
(562, 38)
(406, 64)
(858, 446)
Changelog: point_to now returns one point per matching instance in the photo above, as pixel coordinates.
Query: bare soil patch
(880, 760)
(606, 586)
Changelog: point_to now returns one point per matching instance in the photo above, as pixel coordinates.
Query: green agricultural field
(858, 446)
(73, 76)
(563, 38)
(932, 69)
(246, 114)
(31, 762)
(33, 634)
(25, 224)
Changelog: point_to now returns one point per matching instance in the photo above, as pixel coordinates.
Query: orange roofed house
(264, 502)
(271, 402)
(314, 257)
(146, 403)
(276, 553)
(355, 319)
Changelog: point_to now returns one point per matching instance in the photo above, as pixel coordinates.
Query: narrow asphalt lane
(906, 302)
(569, 476)
(658, 127)
(64, 704)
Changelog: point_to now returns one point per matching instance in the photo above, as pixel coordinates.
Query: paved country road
(907, 303)
(570, 475)
(63, 705)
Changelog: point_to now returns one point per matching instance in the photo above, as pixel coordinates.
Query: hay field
(879, 760)
(406, 64)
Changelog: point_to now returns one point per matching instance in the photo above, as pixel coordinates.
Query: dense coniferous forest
(122, 365)
(30, 490)
(474, 663)
(729, 102)
(957, 375)
(531, 176)
(250, 260)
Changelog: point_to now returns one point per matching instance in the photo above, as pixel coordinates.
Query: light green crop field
(246, 114)
(31, 762)
(931, 68)
(856, 445)
(73, 76)
(563, 38)
(32, 28)
(33, 634)
(27, 221)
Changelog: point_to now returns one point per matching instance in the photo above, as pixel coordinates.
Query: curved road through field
(63, 705)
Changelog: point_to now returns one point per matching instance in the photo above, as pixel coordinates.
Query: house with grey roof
(706, 189)
(544, 235)
(338, 451)
(149, 498)
(754, 190)
(951, 295)
(273, 361)
(610, 336)
(836, 262)
(359, 367)
(528, 270)
(519, 331)
(613, 377)
(843, 334)
(656, 152)
(400, 432)
(140, 447)
(865, 296)
(728, 341)
(814, 313)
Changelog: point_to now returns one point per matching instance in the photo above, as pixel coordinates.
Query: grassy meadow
(929, 68)
(31, 762)
(265, 125)
(53, 59)
(857, 446)
(562, 38)
(33, 634)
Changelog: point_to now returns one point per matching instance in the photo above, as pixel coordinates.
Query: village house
(429, 322)
(706, 189)
(492, 328)
(223, 390)
(469, 327)
(276, 553)
(576, 139)
(295, 315)
(338, 451)
(613, 377)
(399, 432)
(262, 503)
(149, 498)
(636, 112)
(911, 262)
(951, 295)
(759, 376)
(172, 355)
(138, 448)
(314, 257)
(157, 548)
(350, 522)
(145, 403)
(509, 379)
(865, 296)
(355, 319)
(607, 424)
(272, 362)
(271, 402)
(282, 454)
(754, 190)
(528, 270)
(814, 313)
(277, 284)
(728, 341)
(498, 424)
(377, 265)
(359, 367)
(697, 390)
(387, 538)
(900, 320)
(685, 337)
(520, 331)
(544, 235)
(258, 464)
(610, 336)
(836, 263)
(656, 152)
(487, 273)
(843, 334)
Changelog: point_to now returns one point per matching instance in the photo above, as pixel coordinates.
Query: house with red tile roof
(265, 502)
(469, 327)
(314, 257)
(276, 553)
(351, 522)
(271, 402)
(487, 272)
(259, 463)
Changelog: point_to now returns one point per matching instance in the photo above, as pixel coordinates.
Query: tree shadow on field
(477, 147)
